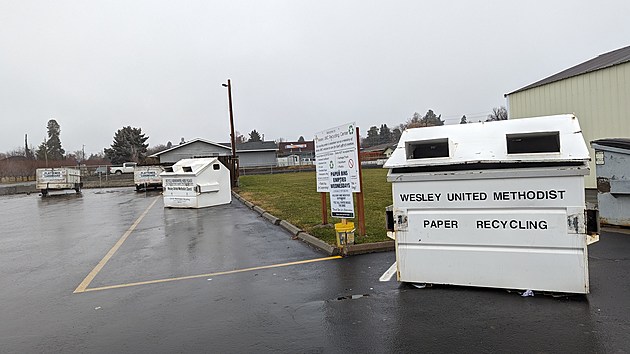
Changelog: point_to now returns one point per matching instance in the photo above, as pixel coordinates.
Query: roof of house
(253, 146)
(603, 61)
(380, 147)
(243, 147)
(157, 154)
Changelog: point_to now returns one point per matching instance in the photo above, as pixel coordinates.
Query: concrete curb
(293, 230)
(259, 210)
(351, 250)
(274, 220)
(18, 189)
(313, 241)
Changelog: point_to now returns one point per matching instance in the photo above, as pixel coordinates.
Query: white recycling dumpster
(495, 204)
(196, 183)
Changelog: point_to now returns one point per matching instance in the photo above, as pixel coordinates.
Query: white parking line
(387, 276)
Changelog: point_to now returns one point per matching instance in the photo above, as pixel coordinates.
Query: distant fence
(15, 171)
(272, 169)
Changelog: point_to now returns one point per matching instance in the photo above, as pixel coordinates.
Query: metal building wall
(600, 100)
(257, 158)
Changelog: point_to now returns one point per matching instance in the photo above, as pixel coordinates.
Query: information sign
(341, 200)
(336, 149)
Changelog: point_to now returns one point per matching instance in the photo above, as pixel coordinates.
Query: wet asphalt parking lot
(113, 271)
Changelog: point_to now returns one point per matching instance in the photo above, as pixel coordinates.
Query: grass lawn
(294, 197)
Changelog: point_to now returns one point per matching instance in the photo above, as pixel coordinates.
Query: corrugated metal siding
(257, 158)
(600, 100)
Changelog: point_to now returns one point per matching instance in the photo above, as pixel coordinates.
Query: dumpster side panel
(179, 192)
(613, 185)
(508, 268)
(518, 233)
(57, 178)
(148, 176)
(614, 209)
(507, 248)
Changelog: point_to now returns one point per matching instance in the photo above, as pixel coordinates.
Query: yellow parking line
(88, 279)
(208, 274)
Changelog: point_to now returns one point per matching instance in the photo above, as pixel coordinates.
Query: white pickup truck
(126, 167)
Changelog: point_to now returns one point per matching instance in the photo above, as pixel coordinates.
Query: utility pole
(232, 136)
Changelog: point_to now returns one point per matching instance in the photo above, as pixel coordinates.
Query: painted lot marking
(83, 287)
(166, 280)
(88, 279)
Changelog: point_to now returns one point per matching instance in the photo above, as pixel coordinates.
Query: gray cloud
(297, 67)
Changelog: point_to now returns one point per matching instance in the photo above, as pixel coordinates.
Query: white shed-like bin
(196, 183)
(495, 204)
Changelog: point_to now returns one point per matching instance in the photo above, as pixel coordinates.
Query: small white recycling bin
(494, 204)
(196, 183)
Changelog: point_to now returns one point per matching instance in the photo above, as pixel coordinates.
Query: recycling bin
(492, 204)
(196, 183)
(612, 168)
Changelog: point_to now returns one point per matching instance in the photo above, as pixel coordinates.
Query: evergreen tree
(50, 149)
(463, 120)
(42, 152)
(430, 119)
(129, 145)
(301, 139)
(385, 134)
(254, 136)
(372, 137)
(55, 151)
(396, 133)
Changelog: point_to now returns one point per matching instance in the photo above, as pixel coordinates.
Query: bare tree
(500, 113)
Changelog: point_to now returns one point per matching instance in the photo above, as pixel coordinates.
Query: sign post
(360, 204)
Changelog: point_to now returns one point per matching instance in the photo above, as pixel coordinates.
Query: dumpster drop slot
(427, 149)
(208, 187)
(532, 143)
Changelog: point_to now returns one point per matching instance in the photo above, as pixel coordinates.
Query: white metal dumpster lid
(191, 167)
(486, 142)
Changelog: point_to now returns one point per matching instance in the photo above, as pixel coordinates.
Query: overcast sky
(297, 67)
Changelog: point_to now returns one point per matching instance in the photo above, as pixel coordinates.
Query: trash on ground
(527, 293)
